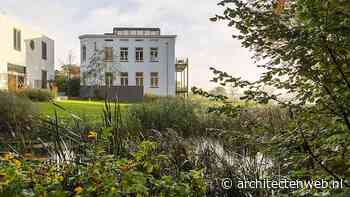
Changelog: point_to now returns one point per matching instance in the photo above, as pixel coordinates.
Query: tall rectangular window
(43, 50)
(95, 46)
(108, 54)
(154, 79)
(84, 78)
(139, 79)
(154, 55)
(44, 79)
(109, 79)
(84, 53)
(17, 40)
(124, 54)
(139, 54)
(124, 81)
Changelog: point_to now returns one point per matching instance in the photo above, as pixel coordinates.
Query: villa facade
(131, 57)
(26, 57)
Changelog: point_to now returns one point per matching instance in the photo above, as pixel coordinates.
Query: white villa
(142, 56)
(26, 57)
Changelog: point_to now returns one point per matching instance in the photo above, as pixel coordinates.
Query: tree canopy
(304, 46)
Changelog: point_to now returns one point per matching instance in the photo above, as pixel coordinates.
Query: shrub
(73, 87)
(41, 95)
(176, 113)
(187, 117)
(61, 83)
(17, 114)
(151, 98)
(145, 173)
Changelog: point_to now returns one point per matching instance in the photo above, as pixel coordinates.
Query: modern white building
(26, 57)
(131, 57)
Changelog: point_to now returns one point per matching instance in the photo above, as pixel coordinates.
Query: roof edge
(126, 36)
(136, 28)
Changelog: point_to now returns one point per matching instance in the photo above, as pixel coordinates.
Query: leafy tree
(219, 91)
(67, 75)
(97, 67)
(304, 45)
(60, 81)
(73, 87)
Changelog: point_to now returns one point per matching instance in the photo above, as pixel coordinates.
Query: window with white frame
(124, 54)
(154, 79)
(124, 81)
(139, 79)
(139, 54)
(154, 54)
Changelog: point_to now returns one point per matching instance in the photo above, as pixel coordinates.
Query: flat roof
(109, 35)
(130, 32)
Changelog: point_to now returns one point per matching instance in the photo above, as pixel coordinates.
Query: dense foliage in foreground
(149, 150)
(304, 48)
(146, 173)
(106, 160)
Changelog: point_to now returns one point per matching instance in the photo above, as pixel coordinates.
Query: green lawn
(91, 110)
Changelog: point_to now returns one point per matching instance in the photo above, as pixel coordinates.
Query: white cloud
(205, 43)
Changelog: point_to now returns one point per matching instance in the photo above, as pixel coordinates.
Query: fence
(123, 93)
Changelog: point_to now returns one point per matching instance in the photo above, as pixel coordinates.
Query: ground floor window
(154, 79)
(109, 79)
(16, 77)
(12, 82)
(124, 81)
(139, 79)
(21, 82)
(84, 78)
(44, 79)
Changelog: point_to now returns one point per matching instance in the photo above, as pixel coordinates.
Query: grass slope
(88, 109)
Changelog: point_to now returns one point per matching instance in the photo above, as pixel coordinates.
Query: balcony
(182, 76)
(181, 64)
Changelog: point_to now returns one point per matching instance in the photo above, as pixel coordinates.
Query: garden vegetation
(185, 147)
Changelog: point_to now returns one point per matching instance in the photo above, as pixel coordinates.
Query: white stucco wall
(27, 57)
(165, 67)
(35, 63)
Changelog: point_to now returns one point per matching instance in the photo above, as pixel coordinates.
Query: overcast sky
(204, 42)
